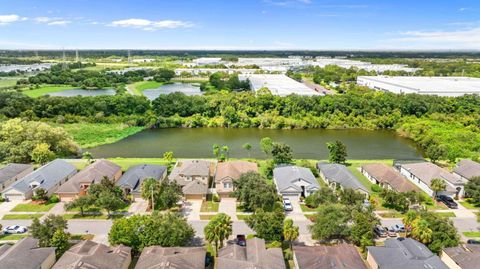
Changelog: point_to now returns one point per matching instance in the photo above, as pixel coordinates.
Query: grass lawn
(209, 206)
(12, 236)
(445, 214)
(305, 208)
(125, 163)
(91, 216)
(43, 90)
(472, 234)
(392, 214)
(81, 236)
(32, 207)
(21, 216)
(206, 217)
(469, 204)
(89, 135)
(139, 87)
(242, 217)
(6, 82)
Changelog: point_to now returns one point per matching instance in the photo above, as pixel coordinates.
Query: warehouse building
(441, 86)
(278, 84)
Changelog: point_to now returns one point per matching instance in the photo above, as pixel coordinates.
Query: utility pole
(76, 56)
(64, 64)
(129, 60)
(153, 202)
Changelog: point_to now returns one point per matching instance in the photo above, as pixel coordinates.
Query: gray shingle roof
(172, 258)
(405, 253)
(467, 169)
(340, 174)
(47, 176)
(467, 256)
(25, 254)
(341, 256)
(191, 168)
(286, 176)
(11, 170)
(386, 174)
(135, 175)
(426, 171)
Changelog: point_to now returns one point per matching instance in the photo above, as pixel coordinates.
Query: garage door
(290, 195)
(14, 197)
(194, 196)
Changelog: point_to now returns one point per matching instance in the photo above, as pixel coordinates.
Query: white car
(15, 229)
(287, 205)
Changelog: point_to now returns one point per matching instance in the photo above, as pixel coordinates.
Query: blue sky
(240, 24)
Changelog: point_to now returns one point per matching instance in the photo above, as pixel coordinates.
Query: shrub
(376, 188)
(287, 253)
(274, 244)
(216, 198)
(54, 199)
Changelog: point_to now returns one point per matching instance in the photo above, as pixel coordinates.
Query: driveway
(138, 207)
(191, 209)
(229, 207)
(296, 214)
(5, 207)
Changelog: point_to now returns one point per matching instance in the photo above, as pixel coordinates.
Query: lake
(186, 88)
(306, 143)
(83, 92)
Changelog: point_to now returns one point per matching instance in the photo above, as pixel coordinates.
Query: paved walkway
(138, 207)
(5, 207)
(191, 209)
(229, 207)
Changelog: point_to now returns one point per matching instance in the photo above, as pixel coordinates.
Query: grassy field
(446, 214)
(46, 90)
(91, 216)
(139, 87)
(472, 234)
(12, 236)
(89, 135)
(209, 206)
(469, 204)
(7, 82)
(82, 236)
(21, 216)
(206, 217)
(32, 208)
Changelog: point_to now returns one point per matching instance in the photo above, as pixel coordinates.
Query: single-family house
(338, 176)
(132, 179)
(422, 173)
(78, 184)
(462, 257)
(229, 171)
(195, 177)
(13, 172)
(403, 253)
(172, 257)
(467, 169)
(342, 256)
(253, 255)
(26, 254)
(88, 254)
(294, 181)
(48, 177)
(387, 177)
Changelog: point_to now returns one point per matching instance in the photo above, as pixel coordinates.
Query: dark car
(448, 201)
(473, 242)
(241, 240)
(380, 231)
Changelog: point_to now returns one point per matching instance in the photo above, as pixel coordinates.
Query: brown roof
(88, 254)
(386, 174)
(172, 258)
(195, 187)
(467, 169)
(191, 168)
(341, 256)
(253, 255)
(25, 254)
(234, 169)
(90, 174)
(427, 171)
(467, 257)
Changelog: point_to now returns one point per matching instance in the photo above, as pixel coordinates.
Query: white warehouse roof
(278, 84)
(441, 86)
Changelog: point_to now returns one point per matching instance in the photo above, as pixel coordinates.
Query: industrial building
(441, 86)
(278, 84)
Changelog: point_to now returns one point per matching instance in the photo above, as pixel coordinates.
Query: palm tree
(408, 219)
(290, 232)
(437, 185)
(88, 156)
(218, 229)
(421, 231)
(216, 150)
(248, 148)
(225, 149)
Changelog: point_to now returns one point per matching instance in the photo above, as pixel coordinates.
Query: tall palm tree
(408, 219)
(218, 229)
(438, 185)
(290, 231)
(421, 231)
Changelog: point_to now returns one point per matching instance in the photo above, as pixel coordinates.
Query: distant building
(295, 181)
(131, 181)
(146, 60)
(13, 172)
(467, 169)
(441, 86)
(278, 84)
(207, 61)
(387, 177)
(156, 257)
(25, 254)
(228, 172)
(462, 257)
(194, 176)
(341, 256)
(403, 253)
(338, 176)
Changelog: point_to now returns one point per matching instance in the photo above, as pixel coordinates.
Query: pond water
(308, 143)
(83, 92)
(186, 88)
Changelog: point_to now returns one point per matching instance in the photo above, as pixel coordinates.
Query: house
(253, 255)
(48, 177)
(294, 181)
(78, 184)
(338, 176)
(422, 173)
(342, 256)
(387, 177)
(403, 253)
(467, 169)
(88, 254)
(26, 254)
(194, 176)
(462, 257)
(227, 172)
(131, 181)
(173, 257)
(13, 172)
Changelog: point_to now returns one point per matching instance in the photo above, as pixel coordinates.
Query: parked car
(391, 232)
(380, 231)
(399, 228)
(14, 229)
(241, 240)
(287, 205)
(473, 242)
(448, 201)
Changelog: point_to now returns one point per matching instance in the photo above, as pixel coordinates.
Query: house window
(227, 185)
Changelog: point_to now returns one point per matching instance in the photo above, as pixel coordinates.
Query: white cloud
(464, 9)
(51, 21)
(7, 19)
(61, 22)
(149, 25)
(288, 3)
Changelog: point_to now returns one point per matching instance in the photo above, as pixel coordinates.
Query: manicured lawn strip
(209, 206)
(125, 163)
(242, 217)
(472, 234)
(305, 208)
(12, 236)
(82, 236)
(32, 208)
(89, 135)
(43, 90)
(206, 217)
(389, 215)
(446, 214)
(468, 203)
(139, 87)
(91, 216)
(21, 216)
(7, 82)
